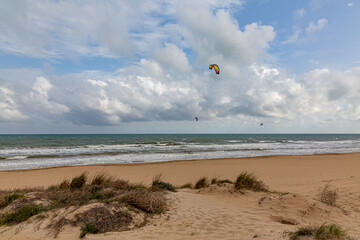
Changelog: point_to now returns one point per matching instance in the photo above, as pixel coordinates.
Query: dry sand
(217, 212)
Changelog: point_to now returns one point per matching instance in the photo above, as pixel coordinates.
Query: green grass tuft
(186, 185)
(158, 184)
(88, 228)
(10, 198)
(101, 179)
(21, 214)
(324, 232)
(78, 182)
(201, 183)
(164, 186)
(331, 231)
(248, 181)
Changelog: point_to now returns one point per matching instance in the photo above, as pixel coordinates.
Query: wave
(16, 157)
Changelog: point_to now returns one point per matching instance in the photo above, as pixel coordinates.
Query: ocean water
(39, 151)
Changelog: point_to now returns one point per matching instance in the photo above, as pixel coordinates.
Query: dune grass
(21, 214)
(328, 195)
(88, 228)
(202, 183)
(79, 191)
(157, 184)
(9, 198)
(78, 182)
(323, 232)
(248, 181)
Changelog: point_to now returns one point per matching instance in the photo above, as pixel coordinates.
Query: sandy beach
(218, 212)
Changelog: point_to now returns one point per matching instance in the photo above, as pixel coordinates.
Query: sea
(42, 151)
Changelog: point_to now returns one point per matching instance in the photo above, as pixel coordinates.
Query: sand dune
(220, 212)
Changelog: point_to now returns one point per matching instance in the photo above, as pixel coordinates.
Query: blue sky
(142, 66)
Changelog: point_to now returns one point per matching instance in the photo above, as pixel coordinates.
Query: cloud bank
(171, 45)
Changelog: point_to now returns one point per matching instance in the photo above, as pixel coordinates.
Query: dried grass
(150, 202)
(248, 181)
(328, 195)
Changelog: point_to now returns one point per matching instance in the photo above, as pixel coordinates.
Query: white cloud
(299, 13)
(170, 83)
(350, 4)
(8, 107)
(217, 37)
(172, 57)
(138, 93)
(293, 38)
(37, 99)
(314, 27)
(97, 83)
(90, 28)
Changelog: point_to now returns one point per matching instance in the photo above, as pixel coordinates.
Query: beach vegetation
(250, 182)
(328, 195)
(202, 183)
(216, 180)
(101, 179)
(78, 182)
(186, 185)
(147, 201)
(157, 184)
(323, 232)
(138, 186)
(88, 228)
(21, 214)
(9, 198)
(115, 202)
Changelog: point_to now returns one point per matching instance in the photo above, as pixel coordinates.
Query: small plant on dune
(10, 198)
(201, 183)
(214, 180)
(331, 231)
(64, 184)
(101, 179)
(218, 181)
(150, 202)
(78, 182)
(186, 185)
(328, 195)
(158, 184)
(88, 228)
(21, 214)
(302, 231)
(138, 186)
(249, 181)
(324, 232)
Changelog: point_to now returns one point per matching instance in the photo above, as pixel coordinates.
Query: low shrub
(21, 214)
(328, 195)
(150, 202)
(78, 182)
(249, 181)
(88, 228)
(323, 232)
(201, 183)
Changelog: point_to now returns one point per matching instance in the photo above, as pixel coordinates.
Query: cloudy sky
(141, 66)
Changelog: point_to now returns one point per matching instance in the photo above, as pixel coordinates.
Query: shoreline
(279, 171)
(172, 161)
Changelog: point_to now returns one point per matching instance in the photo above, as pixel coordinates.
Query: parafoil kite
(216, 67)
(196, 118)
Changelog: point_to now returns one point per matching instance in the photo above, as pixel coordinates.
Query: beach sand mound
(214, 212)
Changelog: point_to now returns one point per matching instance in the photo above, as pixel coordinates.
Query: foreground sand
(216, 212)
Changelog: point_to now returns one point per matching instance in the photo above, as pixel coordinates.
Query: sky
(140, 66)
